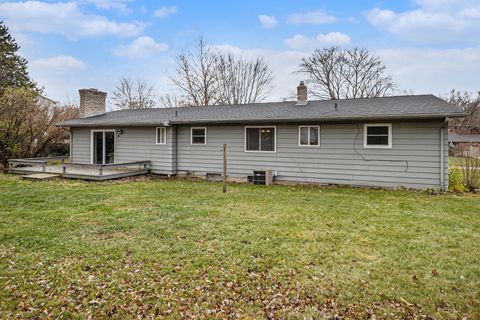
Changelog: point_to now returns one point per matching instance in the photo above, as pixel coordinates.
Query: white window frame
(260, 142)
(300, 136)
(191, 136)
(92, 131)
(390, 134)
(164, 135)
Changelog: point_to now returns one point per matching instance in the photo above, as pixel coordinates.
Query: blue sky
(429, 46)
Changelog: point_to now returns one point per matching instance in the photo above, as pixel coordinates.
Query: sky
(428, 46)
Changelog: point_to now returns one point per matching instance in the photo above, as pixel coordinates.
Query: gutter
(176, 150)
(270, 120)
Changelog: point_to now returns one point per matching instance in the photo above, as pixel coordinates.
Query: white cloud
(165, 11)
(302, 42)
(433, 70)
(434, 21)
(141, 47)
(120, 5)
(313, 17)
(60, 75)
(64, 18)
(23, 39)
(57, 64)
(353, 20)
(471, 13)
(269, 22)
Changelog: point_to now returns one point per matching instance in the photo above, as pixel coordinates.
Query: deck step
(40, 176)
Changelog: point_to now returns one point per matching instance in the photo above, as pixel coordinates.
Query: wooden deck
(60, 167)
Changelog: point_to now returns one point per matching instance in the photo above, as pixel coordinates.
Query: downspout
(176, 150)
(442, 155)
(70, 153)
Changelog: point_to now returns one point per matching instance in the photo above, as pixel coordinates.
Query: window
(260, 139)
(377, 135)
(309, 136)
(161, 135)
(199, 136)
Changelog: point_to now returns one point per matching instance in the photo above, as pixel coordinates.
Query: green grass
(157, 248)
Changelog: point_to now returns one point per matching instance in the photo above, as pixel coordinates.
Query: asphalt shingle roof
(396, 107)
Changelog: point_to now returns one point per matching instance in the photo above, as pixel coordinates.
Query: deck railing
(142, 165)
(60, 165)
(43, 161)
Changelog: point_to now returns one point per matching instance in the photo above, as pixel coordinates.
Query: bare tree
(469, 103)
(170, 101)
(205, 76)
(133, 94)
(196, 75)
(28, 125)
(337, 73)
(243, 81)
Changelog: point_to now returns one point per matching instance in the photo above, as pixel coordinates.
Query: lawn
(182, 249)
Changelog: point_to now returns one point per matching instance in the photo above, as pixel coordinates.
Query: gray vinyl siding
(138, 143)
(340, 158)
(413, 160)
(134, 144)
(80, 146)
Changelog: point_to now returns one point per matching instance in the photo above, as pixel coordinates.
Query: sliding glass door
(103, 146)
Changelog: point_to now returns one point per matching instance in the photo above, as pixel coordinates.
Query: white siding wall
(335, 161)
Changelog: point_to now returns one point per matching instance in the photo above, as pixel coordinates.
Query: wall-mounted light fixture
(119, 132)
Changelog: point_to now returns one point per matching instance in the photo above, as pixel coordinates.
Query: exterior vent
(262, 177)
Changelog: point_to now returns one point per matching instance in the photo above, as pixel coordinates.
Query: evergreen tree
(13, 68)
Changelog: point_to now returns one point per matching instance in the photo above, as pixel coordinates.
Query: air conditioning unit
(262, 177)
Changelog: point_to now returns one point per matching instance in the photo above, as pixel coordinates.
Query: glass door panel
(109, 147)
(103, 147)
(98, 147)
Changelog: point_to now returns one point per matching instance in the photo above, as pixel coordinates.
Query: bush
(470, 164)
(455, 180)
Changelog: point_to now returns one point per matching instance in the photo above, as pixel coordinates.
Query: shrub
(455, 180)
(470, 164)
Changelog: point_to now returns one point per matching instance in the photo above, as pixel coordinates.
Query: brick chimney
(302, 94)
(92, 102)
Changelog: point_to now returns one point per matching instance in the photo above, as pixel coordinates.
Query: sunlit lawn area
(180, 249)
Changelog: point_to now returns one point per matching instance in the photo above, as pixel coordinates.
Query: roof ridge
(271, 102)
(407, 106)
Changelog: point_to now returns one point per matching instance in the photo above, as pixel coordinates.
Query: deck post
(100, 171)
(44, 167)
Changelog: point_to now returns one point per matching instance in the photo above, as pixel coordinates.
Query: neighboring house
(389, 141)
(461, 143)
(44, 101)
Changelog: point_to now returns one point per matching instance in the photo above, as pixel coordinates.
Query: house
(462, 143)
(387, 141)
